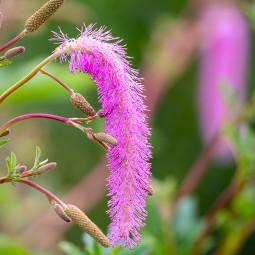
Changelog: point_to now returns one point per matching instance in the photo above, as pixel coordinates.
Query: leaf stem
(31, 74)
(16, 39)
(31, 116)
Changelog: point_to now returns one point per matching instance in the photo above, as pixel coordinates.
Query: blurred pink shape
(224, 50)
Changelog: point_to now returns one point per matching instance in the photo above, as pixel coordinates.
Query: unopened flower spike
(86, 224)
(99, 54)
(11, 53)
(42, 15)
(82, 104)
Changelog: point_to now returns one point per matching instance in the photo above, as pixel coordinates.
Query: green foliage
(4, 141)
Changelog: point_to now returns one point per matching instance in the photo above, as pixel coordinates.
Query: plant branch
(13, 41)
(31, 74)
(57, 80)
(41, 189)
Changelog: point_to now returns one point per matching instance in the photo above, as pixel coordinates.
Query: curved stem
(33, 115)
(31, 74)
(16, 39)
(57, 80)
(41, 189)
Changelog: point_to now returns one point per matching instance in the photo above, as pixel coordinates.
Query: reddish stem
(33, 115)
(16, 39)
(57, 80)
(41, 189)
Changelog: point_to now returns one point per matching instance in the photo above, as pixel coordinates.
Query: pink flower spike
(99, 54)
(224, 57)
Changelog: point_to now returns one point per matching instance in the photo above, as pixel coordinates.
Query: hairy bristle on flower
(106, 138)
(60, 212)
(6, 132)
(42, 15)
(87, 225)
(11, 53)
(82, 104)
(99, 54)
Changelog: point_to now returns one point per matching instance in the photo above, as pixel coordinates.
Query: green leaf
(5, 62)
(37, 157)
(4, 141)
(70, 249)
(11, 163)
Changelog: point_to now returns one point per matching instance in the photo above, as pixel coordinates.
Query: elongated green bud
(42, 15)
(11, 53)
(87, 225)
(106, 138)
(60, 212)
(82, 104)
(6, 132)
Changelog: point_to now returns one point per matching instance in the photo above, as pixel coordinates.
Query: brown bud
(106, 138)
(41, 170)
(82, 104)
(21, 170)
(150, 190)
(42, 15)
(60, 212)
(14, 52)
(87, 225)
(6, 132)
(45, 168)
(101, 113)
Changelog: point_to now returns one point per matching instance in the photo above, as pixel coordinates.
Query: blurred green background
(145, 26)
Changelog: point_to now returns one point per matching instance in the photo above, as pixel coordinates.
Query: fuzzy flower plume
(97, 53)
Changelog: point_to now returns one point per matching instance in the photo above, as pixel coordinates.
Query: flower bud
(106, 138)
(21, 170)
(45, 168)
(82, 104)
(6, 132)
(101, 113)
(87, 225)
(41, 170)
(60, 212)
(42, 15)
(14, 52)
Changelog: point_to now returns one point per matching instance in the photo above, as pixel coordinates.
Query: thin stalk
(16, 39)
(71, 91)
(41, 189)
(84, 119)
(31, 74)
(31, 116)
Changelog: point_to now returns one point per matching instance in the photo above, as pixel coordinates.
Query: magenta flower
(223, 60)
(120, 92)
